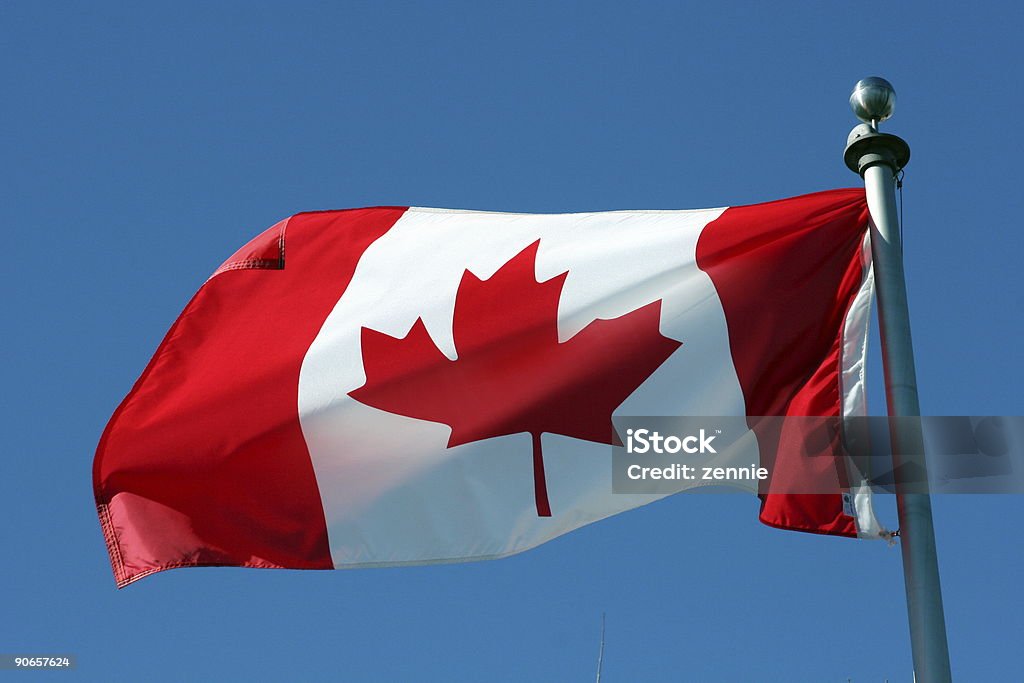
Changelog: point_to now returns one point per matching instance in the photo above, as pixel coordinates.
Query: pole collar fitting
(867, 147)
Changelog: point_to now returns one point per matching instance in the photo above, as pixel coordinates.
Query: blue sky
(143, 143)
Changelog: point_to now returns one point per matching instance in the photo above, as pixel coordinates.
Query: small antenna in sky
(600, 651)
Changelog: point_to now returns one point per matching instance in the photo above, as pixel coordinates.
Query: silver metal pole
(877, 157)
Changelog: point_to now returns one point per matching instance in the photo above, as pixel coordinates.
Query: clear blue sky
(141, 145)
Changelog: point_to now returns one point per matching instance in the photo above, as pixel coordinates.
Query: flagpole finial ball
(873, 100)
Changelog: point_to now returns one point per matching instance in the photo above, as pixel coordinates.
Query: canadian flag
(397, 385)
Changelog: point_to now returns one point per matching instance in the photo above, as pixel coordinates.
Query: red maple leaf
(512, 375)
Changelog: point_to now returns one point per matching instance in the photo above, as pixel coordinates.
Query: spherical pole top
(873, 100)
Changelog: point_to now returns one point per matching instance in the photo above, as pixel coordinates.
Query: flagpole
(877, 157)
